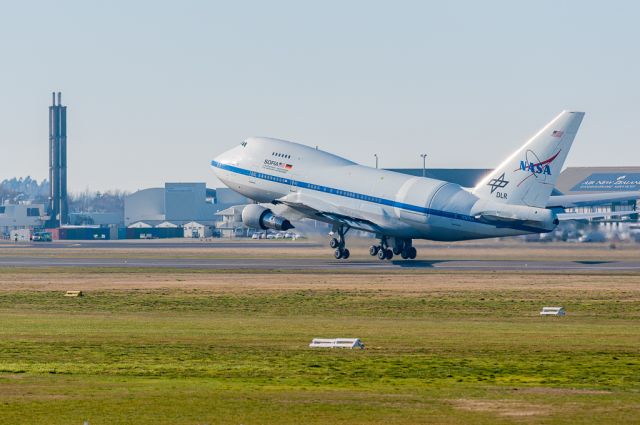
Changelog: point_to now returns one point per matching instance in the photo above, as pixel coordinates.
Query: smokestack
(58, 207)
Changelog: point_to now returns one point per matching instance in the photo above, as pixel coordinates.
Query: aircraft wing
(590, 199)
(585, 216)
(321, 210)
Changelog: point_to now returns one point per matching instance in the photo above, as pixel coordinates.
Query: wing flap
(319, 209)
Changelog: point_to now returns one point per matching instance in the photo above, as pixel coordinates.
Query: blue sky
(155, 89)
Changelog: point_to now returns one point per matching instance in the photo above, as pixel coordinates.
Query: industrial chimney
(58, 207)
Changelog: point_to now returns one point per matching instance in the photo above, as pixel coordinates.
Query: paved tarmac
(153, 244)
(323, 264)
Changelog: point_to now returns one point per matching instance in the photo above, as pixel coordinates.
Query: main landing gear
(341, 252)
(399, 246)
(387, 248)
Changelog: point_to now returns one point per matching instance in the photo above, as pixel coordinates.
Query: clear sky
(156, 89)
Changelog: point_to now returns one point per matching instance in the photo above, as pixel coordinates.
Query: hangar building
(177, 210)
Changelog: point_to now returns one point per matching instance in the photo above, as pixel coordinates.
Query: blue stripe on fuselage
(362, 197)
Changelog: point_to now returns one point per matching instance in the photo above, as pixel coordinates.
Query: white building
(21, 216)
(194, 229)
(231, 224)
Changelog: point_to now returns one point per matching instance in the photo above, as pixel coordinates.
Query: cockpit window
(281, 155)
(244, 144)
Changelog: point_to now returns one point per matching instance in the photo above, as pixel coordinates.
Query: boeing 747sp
(292, 181)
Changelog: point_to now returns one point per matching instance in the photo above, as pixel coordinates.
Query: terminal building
(581, 180)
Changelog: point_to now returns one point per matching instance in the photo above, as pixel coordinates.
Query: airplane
(291, 181)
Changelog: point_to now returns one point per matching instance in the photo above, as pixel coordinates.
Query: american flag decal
(557, 133)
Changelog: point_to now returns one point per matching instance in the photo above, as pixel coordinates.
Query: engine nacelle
(259, 217)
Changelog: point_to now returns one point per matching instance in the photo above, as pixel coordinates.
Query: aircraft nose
(218, 161)
(223, 158)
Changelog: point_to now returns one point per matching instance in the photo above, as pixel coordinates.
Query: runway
(155, 244)
(297, 264)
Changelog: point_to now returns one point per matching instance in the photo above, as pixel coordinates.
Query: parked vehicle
(41, 237)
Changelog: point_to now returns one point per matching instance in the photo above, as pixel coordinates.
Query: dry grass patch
(409, 284)
(504, 408)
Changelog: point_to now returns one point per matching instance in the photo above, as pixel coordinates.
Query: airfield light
(424, 164)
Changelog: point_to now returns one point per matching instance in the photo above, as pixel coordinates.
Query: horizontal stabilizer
(513, 215)
(496, 217)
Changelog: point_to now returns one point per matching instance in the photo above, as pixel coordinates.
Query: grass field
(192, 347)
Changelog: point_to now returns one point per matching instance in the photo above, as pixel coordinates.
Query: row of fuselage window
(321, 188)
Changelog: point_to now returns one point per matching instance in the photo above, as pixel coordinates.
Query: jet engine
(260, 217)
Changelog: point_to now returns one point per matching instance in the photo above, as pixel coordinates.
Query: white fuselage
(266, 170)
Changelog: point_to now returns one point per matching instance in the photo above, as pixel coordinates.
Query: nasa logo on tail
(536, 167)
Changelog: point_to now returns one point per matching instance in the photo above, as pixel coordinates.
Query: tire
(413, 253)
(382, 254)
(396, 251)
(389, 254)
(338, 253)
(373, 251)
(345, 254)
(333, 243)
(405, 254)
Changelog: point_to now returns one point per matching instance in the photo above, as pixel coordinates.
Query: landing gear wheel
(389, 254)
(404, 254)
(341, 251)
(412, 253)
(396, 251)
(373, 251)
(382, 254)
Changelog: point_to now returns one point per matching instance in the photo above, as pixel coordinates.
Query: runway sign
(336, 343)
(552, 311)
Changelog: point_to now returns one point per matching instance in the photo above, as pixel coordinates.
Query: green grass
(195, 357)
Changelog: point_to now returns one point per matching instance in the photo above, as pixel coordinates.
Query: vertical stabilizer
(529, 175)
